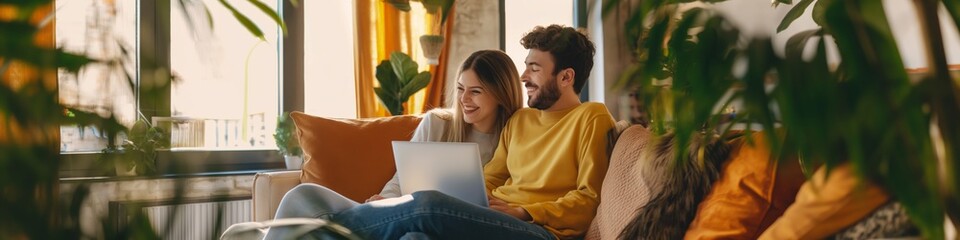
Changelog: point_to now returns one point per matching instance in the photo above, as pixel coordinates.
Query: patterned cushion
(889, 221)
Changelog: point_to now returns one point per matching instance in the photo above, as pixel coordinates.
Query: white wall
(612, 57)
(759, 18)
(330, 88)
(754, 18)
(476, 27)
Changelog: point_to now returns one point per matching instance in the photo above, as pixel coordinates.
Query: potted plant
(432, 41)
(399, 80)
(898, 132)
(287, 142)
(137, 155)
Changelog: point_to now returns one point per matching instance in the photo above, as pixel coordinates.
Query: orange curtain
(436, 91)
(380, 30)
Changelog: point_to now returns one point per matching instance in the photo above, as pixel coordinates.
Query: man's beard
(547, 95)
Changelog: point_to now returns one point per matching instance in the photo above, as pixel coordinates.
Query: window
(522, 16)
(226, 95)
(226, 91)
(102, 31)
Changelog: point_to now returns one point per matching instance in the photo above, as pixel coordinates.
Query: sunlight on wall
(522, 16)
(330, 88)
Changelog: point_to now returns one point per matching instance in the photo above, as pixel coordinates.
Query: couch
(751, 194)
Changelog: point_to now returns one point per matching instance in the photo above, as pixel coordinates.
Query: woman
(488, 93)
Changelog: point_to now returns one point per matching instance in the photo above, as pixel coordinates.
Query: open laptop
(450, 168)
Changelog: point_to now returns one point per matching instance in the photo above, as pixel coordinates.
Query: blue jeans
(438, 216)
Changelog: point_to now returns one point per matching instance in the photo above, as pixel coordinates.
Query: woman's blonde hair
(499, 77)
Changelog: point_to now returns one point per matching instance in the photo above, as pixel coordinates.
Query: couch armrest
(268, 189)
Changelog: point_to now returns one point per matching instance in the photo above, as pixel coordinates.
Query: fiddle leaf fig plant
(399, 80)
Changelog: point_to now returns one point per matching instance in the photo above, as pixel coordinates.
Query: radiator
(193, 220)
(198, 220)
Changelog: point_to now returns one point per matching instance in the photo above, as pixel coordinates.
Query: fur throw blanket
(676, 188)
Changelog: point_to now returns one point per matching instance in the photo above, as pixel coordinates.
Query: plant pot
(122, 166)
(432, 46)
(293, 162)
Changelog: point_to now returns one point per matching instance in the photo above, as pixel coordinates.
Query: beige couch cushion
(268, 189)
(624, 190)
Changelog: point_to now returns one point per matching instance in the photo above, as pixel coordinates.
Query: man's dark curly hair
(570, 49)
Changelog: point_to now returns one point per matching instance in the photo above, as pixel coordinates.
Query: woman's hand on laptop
(374, 198)
(501, 206)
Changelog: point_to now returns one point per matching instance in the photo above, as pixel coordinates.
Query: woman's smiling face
(479, 107)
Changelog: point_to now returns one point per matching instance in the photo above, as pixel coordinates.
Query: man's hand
(374, 198)
(500, 205)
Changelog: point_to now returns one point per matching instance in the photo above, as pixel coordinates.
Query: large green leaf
(387, 79)
(885, 141)
(797, 43)
(404, 67)
(244, 20)
(793, 14)
(25, 7)
(953, 7)
(444, 6)
(17, 32)
(270, 12)
(71, 62)
(756, 100)
(818, 11)
(5, 65)
(389, 99)
(19, 45)
(777, 2)
(402, 5)
(419, 82)
(807, 96)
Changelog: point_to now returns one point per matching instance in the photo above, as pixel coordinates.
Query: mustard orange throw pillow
(752, 192)
(353, 157)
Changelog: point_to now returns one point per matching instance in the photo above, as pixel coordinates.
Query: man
(552, 158)
(544, 180)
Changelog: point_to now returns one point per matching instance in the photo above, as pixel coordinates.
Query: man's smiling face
(540, 80)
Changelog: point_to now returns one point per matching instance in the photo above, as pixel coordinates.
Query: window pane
(521, 16)
(226, 95)
(329, 82)
(100, 29)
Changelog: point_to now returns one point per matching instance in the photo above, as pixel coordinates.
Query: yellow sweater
(552, 164)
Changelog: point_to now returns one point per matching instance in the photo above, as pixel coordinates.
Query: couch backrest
(772, 186)
(623, 189)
